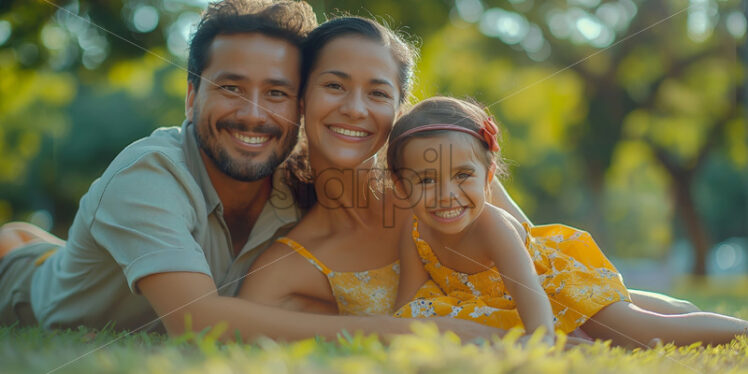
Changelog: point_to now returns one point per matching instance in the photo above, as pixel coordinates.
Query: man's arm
(175, 295)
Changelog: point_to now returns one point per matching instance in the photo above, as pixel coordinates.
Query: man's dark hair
(285, 19)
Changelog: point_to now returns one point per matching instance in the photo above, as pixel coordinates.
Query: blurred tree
(653, 111)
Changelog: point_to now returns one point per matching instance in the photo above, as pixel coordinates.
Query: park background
(624, 118)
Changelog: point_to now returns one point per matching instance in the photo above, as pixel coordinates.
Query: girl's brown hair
(441, 110)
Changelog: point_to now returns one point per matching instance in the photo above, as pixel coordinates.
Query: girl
(443, 155)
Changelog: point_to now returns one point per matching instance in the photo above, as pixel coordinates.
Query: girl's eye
(463, 175)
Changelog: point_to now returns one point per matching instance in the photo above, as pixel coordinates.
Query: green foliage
(30, 350)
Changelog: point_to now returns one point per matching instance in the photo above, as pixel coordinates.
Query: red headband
(486, 134)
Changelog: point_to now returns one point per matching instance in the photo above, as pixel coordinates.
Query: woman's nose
(354, 105)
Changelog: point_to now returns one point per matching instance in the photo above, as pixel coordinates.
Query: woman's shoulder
(494, 218)
(312, 229)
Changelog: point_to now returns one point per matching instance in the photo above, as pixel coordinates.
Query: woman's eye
(381, 94)
(427, 180)
(334, 86)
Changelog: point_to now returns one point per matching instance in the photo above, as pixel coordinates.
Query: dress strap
(528, 237)
(298, 248)
(414, 233)
(424, 249)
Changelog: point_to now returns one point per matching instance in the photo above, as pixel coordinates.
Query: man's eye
(278, 93)
(231, 88)
(427, 180)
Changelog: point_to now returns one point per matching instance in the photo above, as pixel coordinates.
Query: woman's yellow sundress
(362, 293)
(575, 274)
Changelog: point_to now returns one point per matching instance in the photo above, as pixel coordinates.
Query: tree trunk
(692, 222)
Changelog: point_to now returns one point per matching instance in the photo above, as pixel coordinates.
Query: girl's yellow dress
(578, 279)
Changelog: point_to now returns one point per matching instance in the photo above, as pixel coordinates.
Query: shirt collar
(279, 210)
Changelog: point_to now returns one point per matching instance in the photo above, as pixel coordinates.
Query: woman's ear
(400, 190)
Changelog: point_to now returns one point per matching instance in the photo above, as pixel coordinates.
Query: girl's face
(350, 101)
(444, 180)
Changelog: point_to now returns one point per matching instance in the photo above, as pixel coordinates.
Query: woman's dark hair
(441, 110)
(286, 19)
(402, 52)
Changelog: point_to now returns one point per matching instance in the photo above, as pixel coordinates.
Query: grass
(33, 350)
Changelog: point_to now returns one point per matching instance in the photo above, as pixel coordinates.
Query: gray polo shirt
(153, 210)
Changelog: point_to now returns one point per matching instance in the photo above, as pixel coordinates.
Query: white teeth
(251, 139)
(449, 213)
(342, 131)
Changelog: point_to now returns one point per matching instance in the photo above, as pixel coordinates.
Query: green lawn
(32, 350)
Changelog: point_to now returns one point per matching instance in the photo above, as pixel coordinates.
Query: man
(172, 225)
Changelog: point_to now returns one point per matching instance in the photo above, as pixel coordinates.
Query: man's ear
(189, 101)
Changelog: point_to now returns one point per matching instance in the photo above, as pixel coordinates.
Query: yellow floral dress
(362, 293)
(578, 279)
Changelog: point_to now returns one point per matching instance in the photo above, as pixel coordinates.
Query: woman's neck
(344, 195)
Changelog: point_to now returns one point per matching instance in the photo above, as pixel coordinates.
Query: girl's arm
(505, 246)
(412, 273)
(501, 199)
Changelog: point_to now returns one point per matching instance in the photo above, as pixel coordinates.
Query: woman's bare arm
(501, 199)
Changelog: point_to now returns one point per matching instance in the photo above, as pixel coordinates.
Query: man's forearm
(254, 320)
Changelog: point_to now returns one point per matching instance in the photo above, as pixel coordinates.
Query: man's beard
(245, 170)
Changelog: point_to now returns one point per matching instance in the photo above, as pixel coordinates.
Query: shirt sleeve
(146, 219)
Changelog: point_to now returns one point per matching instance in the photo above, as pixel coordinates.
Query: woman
(357, 78)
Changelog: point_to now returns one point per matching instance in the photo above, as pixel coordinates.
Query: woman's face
(350, 101)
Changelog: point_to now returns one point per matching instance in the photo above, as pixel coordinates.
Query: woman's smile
(349, 134)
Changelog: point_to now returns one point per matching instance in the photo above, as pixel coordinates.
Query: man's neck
(242, 201)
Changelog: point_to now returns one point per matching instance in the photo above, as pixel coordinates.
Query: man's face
(245, 110)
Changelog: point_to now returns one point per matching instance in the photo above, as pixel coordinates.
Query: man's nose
(354, 105)
(252, 110)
